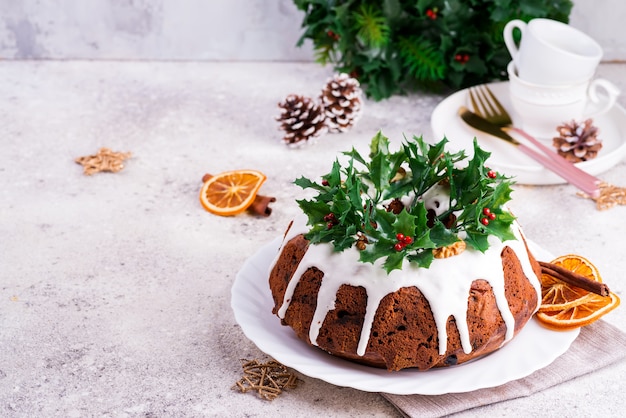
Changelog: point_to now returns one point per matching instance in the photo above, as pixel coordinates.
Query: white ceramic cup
(552, 52)
(541, 108)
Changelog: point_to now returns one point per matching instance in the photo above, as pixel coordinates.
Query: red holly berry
(484, 221)
(489, 216)
(462, 58)
(330, 225)
(398, 247)
(400, 236)
(332, 35)
(492, 174)
(325, 182)
(432, 13)
(407, 240)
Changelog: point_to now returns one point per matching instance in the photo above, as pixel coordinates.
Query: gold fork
(486, 105)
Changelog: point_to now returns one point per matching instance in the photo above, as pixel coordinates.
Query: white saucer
(506, 158)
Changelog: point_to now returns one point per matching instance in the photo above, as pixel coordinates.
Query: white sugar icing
(445, 284)
(437, 198)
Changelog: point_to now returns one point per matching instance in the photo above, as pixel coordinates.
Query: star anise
(104, 160)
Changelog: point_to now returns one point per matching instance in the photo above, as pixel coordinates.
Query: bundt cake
(411, 262)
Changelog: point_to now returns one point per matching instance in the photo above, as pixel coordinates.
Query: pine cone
(577, 141)
(301, 118)
(342, 100)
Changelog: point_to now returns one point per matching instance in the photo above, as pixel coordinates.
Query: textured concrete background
(115, 288)
(204, 30)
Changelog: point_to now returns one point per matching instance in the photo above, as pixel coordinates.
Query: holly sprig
(354, 202)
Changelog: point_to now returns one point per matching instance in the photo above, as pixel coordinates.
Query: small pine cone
(342, 101)
(302, 119)
(577, 141)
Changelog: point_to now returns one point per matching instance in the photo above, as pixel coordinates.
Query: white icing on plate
(506, 158)
(533, 348)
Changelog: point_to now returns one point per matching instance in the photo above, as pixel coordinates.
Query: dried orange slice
(557, 295)
(564, 306)
(231, 192)
(580, 315)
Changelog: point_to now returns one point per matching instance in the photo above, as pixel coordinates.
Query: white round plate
(534, 347)
(512, 162)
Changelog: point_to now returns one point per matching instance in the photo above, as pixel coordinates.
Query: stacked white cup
(551, 76)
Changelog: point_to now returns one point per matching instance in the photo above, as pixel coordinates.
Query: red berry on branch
(462, 58)
(492, 216)
(407, 240)
(398, 247)
(486, 211)
(325, 182)
(484, 221)
(492, 174)
(332, 35)
(330, 217)
(400, 236)
(330, 225)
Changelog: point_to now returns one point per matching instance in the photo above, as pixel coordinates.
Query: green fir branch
(371, 26)
(422, 58)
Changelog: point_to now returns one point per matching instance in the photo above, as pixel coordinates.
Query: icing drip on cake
(445, 284)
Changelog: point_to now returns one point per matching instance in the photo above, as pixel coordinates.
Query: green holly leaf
(477, 240)
(441, 236)
(384, 223)
(346, 239)
(405, 224)
(334, 177)
(394, 261)
(380, 172)
(315, 209)
(422, 258)
(379, 144)
(501, 194)
(501, 226)
(354, 155)
(305, 183)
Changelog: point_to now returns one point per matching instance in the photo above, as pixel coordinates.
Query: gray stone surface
(115, 288)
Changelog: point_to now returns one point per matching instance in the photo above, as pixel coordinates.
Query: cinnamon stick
(260, 205)
(574, 279)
